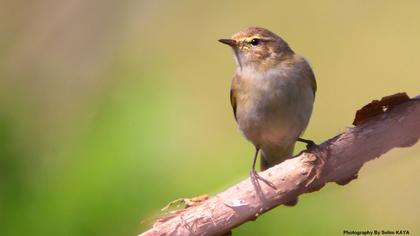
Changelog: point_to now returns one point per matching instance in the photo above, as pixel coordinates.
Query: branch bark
(336, 160)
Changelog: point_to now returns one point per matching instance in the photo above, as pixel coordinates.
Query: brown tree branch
(336, 160)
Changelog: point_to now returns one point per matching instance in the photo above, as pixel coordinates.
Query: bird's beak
(229, 42)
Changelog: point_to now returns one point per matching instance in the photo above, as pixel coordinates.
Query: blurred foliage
(111, 109)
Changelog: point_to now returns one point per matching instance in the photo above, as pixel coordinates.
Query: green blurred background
(111, 109)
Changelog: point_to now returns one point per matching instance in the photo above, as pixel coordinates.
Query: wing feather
(313, 82)
(233, 96)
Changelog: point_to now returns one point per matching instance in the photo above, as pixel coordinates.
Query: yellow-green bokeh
(111, 109)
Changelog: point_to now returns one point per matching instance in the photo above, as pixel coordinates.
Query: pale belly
(274, 114)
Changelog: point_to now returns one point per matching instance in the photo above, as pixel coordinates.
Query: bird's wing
(313, 81)
(233, 94)
(308, 73)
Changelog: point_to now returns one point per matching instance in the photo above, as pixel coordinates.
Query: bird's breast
(261, 95)
(272, 107)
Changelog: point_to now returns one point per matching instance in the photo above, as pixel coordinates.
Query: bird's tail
(273, 157)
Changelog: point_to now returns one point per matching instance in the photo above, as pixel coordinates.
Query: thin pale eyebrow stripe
(249, 39)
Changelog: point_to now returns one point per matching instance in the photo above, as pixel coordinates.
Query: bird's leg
(254, 175)
(309, 143)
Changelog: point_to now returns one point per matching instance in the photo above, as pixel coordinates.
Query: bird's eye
(255, 42)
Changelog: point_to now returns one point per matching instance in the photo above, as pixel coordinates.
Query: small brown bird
(272, 94)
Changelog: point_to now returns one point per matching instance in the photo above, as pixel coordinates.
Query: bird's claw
(310, 145)
(255, 177)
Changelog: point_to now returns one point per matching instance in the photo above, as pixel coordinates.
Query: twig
(336, 160)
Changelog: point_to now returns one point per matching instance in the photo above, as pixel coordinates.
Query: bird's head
(258, 47)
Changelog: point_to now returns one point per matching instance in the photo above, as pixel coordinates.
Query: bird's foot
(255, 177)
(310, 145)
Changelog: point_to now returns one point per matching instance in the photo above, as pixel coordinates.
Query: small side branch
(336, 160)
